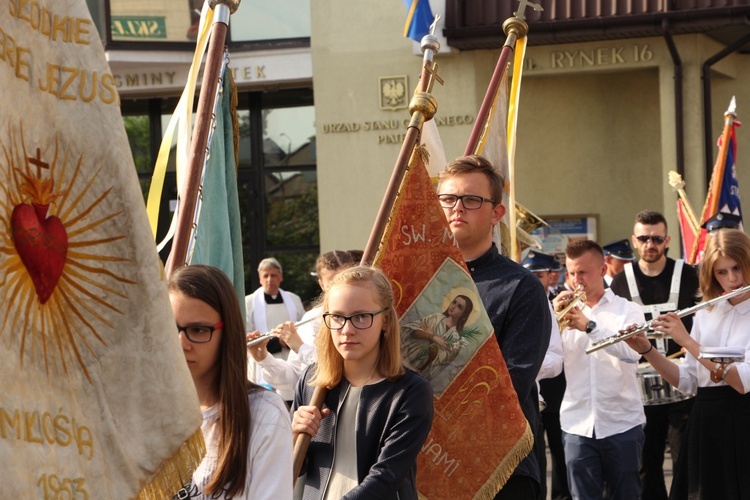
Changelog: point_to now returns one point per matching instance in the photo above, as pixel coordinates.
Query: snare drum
(654, 389)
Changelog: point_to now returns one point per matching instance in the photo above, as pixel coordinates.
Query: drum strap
(654, 310)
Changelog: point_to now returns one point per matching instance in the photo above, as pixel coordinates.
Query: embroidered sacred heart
(42, 244)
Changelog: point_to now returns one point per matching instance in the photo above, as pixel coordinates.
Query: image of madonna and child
(245, 427)
(716, 462)
(377, 413)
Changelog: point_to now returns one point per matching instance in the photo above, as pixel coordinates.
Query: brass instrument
(526, 222)
(578, 297)
(646, 327)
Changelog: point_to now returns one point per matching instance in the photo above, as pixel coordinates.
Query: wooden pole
(422, 108)
(514, 28)
(209, 85)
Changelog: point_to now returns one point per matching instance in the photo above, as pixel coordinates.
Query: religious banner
(479, 433)
(97, 400)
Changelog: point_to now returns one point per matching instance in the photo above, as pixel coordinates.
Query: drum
(654, 389)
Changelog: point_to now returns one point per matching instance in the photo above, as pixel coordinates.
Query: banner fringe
(176, 471)
(503, 471)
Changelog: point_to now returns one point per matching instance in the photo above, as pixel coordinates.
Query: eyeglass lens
(469, 201)
(199, 334)
(360, 321)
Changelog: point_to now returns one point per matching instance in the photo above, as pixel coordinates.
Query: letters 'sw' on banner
(479, 434)
(97, 401)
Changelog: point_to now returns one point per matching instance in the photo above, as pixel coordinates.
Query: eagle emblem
(393, 92)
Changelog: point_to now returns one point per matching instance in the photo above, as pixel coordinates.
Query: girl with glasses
(715, 458)
(245, 427)
(377, 414)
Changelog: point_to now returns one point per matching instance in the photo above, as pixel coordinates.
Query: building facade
(614, 96)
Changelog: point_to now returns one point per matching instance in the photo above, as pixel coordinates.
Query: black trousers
(664, 423)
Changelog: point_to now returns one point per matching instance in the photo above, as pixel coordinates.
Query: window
(277, 178)
(154, 20)
(280, 19)
(133, 22)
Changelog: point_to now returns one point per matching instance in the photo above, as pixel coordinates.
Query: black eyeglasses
(360, 321)
(469, 201)
(658, 240)
(199, 334)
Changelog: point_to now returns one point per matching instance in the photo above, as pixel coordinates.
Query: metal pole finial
(232, 4)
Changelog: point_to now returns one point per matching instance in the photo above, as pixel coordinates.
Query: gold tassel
(503, 471)
(176, 471)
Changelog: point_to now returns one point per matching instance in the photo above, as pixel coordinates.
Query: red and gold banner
(479, 434)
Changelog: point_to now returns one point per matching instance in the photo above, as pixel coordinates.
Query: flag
(723, 190)
(418, 19)
(219, 233)
(97, 399)
(479, 433)
(689, 226)
(497, 144)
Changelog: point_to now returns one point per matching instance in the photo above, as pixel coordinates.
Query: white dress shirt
(724, 325)
(602, 391)
(553, 359)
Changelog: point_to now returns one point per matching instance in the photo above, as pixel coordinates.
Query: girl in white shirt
(246, 428)
(717, 459)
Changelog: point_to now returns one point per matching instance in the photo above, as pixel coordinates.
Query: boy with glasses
(659, 284)
(470, 190)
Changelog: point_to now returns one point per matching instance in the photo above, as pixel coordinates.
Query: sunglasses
(658, 240)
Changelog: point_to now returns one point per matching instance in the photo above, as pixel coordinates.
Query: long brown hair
(461, 322)
(212, 286)
(731, 243)
(330, 366)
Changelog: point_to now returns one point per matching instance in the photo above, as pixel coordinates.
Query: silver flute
(269, 336)
(645, 327)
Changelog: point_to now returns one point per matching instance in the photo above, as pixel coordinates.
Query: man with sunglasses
(470, 190)
(659, 284)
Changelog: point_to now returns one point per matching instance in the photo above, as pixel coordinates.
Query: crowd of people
(606, 429)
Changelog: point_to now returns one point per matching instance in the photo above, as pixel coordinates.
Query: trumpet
(646, 327)
(578, 297)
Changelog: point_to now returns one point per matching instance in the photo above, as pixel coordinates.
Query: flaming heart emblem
(40, 240)
(42, 244)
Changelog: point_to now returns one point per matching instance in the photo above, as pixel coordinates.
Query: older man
(267, 307)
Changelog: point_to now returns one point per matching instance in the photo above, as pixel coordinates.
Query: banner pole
(178, 256)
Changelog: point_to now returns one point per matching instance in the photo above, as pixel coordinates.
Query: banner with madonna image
(479, 433)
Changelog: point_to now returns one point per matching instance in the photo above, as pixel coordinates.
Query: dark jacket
(517, 305)
(393, 420)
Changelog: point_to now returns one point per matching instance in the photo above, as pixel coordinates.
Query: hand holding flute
(286, 331)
